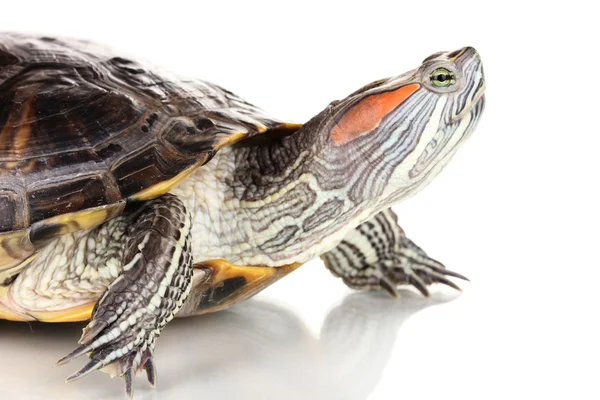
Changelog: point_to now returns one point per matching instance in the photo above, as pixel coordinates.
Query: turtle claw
(412, 266)
(73, 355)
(150, 372)
(129, 380)
(389, 287)
(88, 368)
(418, 283)
(126, 366)
(444, 281)
(453, 274)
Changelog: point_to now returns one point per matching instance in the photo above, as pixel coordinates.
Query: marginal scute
(43, 232)
(163, 187)
(218, 284)
(9, 203)
(60, 198)
(149, 167)
(7, 59)
(15, 247)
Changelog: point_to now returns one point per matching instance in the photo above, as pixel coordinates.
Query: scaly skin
(294, 198)
(279, 201)
(154, 282)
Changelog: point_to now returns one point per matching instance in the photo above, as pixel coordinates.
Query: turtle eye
(442, 77)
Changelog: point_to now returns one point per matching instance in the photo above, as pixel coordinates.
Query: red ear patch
(367, 114)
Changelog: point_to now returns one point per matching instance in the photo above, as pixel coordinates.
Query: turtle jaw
(466, 100)
(476, 111)
(475, 106)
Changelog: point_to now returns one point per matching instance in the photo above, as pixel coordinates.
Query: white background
(516, 210)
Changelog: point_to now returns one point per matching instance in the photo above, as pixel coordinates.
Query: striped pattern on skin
(155, 281)
(271, 221)
(259, 215)
(74, 270)
(378, 255)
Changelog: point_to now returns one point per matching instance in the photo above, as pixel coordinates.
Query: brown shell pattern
(82, 128)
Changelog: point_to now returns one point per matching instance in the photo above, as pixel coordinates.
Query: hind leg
(378, 255)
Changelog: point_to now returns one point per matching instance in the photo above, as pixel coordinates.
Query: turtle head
(399, 132)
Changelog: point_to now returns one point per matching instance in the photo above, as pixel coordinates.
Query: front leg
(378, 255)
(155, 281)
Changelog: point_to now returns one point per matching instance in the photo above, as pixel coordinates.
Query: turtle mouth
(480, 95)
(475, 105)
(478, 105)
(475, 110)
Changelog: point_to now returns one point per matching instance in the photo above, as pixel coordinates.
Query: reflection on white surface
(257, 350)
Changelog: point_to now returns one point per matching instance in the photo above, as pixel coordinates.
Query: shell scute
(43, 232)
(64, 197)
(84, 130)
(9, 203)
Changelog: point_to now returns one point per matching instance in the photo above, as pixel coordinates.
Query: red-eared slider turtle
(129, 196)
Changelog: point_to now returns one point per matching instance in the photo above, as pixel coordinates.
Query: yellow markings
(216, 292)
(7, 312)
(260, 128)
(224, 270)
(285, 127)
(14, 248)
(289, 126)
(12, 312)
(230, 139)
(88, 218)
(74, 314)
(8, 272)
(462, 51)
(163, 187)
(75, 221)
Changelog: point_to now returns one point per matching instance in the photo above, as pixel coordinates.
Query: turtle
(129, 195)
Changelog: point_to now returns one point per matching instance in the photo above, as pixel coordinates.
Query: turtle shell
(83, 131)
